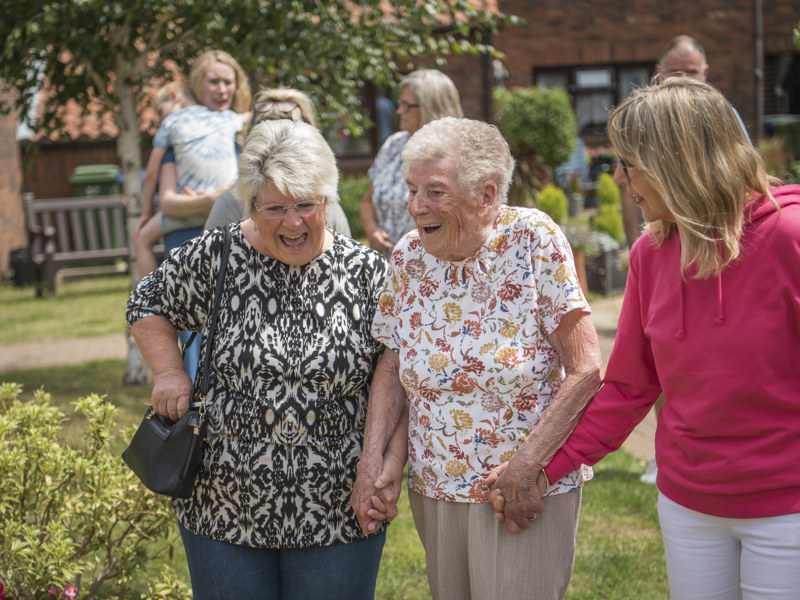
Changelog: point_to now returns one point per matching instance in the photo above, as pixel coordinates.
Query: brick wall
(583, 32)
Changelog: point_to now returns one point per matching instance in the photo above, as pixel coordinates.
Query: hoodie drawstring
(720, 319)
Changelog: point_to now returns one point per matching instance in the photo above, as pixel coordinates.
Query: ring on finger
(533, 518)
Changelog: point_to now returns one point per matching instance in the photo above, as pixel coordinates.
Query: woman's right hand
(379, 240)
(172, 393)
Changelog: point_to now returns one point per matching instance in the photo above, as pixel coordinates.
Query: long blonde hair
(684, 138)
(241, 99)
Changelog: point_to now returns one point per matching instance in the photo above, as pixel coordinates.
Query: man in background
(683, 56)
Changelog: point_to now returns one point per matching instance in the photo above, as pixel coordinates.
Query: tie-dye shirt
(204, 144)
(475, 359)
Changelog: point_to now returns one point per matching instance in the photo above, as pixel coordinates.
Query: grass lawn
(619, 554)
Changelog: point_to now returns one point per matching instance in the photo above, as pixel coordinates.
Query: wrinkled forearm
(157, 340)
(579, 350)
(387, 404)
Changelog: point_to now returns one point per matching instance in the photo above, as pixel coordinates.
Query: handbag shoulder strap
(208, 335)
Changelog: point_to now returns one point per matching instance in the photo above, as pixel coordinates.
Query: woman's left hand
(516, 492)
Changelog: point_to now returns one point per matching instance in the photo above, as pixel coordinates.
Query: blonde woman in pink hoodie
(711, 318)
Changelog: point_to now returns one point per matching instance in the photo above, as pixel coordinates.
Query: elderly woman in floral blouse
(490, 342)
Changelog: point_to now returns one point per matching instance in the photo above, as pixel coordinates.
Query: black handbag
(164, 454)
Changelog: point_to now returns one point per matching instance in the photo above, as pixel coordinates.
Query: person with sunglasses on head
(291, 368)
(425, 95)
(274, 104)
(711, 320)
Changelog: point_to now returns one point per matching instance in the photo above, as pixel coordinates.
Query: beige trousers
(470, 556)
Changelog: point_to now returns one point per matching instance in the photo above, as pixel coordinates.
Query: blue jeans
(226, 571)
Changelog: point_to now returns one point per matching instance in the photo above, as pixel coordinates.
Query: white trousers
(714, 558)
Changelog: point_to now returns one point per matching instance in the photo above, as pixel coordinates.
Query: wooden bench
(74, 232)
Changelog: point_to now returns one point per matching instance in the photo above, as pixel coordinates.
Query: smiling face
(292, 239)
(644, 195)
(218, 86)
(452, 223)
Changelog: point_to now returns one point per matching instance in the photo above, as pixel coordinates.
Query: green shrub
(553, 201)
(607, 191)
(537, 121)
(351, 191)
(75, 517)
(609, 215)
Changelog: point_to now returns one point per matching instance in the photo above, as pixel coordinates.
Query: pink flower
(2, 592)
(52, 592)
(70, 591)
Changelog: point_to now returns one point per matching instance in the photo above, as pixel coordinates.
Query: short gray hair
(480, 149)
(293, 156)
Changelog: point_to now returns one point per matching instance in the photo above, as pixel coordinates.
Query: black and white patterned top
(292, 362)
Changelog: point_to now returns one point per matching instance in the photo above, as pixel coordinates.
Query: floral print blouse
(475, 359)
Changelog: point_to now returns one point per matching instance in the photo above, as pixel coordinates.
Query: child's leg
(143, 244)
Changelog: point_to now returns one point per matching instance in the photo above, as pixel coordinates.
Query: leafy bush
(609, 217)
(553, 201)
(540, 127)
(351, 191)
(75, 520)
(537, 120)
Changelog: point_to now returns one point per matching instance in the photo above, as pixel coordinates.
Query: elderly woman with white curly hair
(291, 366)
(490, 344)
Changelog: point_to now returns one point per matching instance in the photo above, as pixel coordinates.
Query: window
(595, 89)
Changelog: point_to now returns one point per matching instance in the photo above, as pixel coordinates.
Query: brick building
(597, 50)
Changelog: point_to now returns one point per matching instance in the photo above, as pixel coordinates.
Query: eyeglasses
(406, 106)
(284, 106)
(625, 166)
(305, 208)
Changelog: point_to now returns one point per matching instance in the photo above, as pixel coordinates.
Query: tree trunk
(136, 370)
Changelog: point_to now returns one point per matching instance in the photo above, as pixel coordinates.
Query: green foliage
(608, 192)
(93, 48)
(796, 36)
(537, 121)
(609, 215)
(351, 191)
(73, 514)
(553, 201)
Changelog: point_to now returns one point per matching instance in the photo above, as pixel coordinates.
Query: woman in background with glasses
(425, 95)
(274, 104)
(290, 373)
(711, 319)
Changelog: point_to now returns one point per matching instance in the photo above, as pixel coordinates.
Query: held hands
(516, 493)
(374, 499)
(172, 393)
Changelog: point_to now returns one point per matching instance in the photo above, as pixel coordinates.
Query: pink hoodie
(725, 351)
